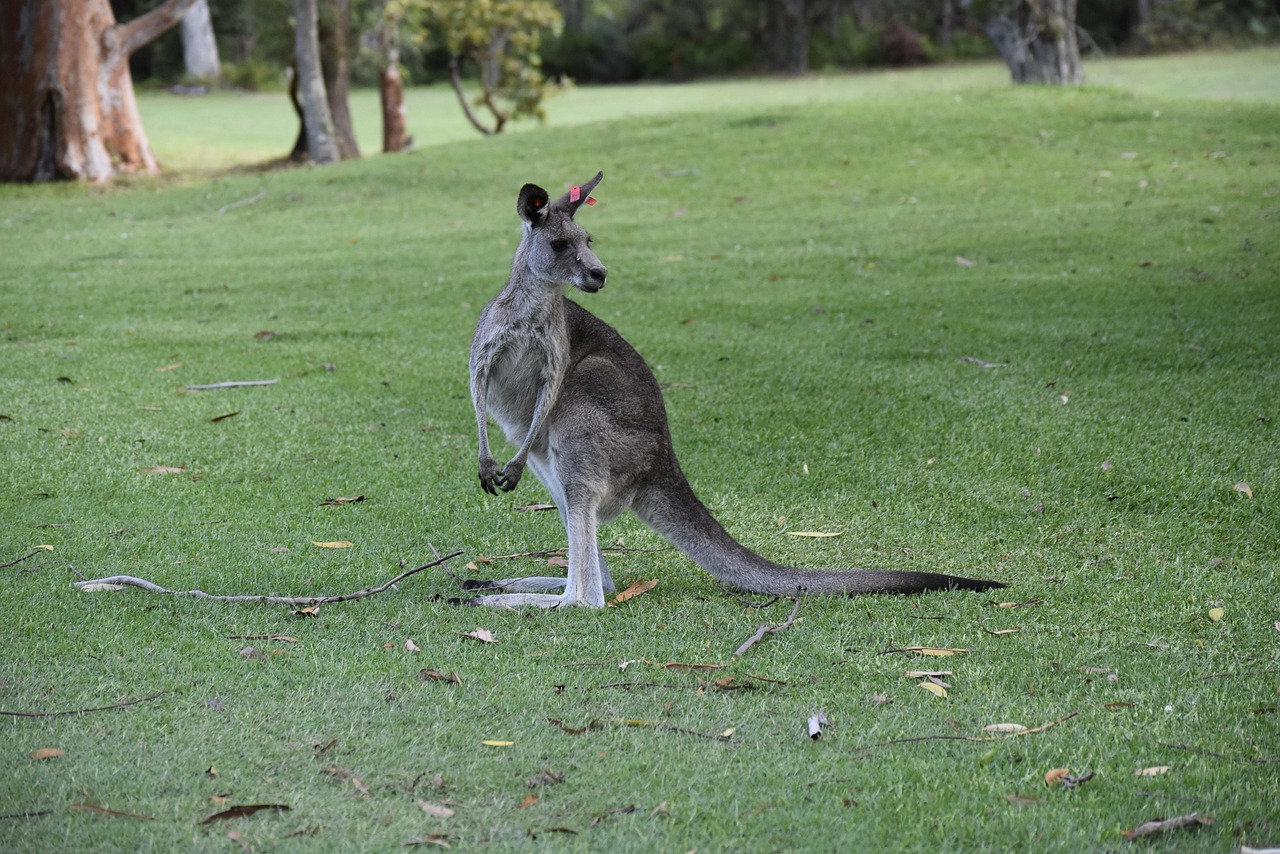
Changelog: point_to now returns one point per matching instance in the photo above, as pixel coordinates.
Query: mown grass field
(810, 278)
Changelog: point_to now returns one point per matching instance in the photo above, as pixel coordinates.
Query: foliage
(808, 318)
(499, 40)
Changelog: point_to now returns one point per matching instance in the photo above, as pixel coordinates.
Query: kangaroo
(586, 414)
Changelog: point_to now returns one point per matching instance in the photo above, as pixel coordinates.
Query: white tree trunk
(316, 117)
(199, 47)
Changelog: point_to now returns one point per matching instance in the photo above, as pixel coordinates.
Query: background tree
(335, 51)
(499, 39)
(67, 93)
(312, 100)
(199, 47)
(1037, 40)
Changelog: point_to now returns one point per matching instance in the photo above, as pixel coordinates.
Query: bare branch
(768, 629)
(231, 384)
(84, 711)
(269, 600)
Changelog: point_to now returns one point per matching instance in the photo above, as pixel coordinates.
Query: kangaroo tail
(677, 514)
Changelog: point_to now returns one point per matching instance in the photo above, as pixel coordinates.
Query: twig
(972, 738)
(233, 384)
(973, 360)
(767, 629)
(20, 560)
(84, 711)
(1161, 825)
(1255, 760)
(252, 200)
(270, 600)
(28, 814)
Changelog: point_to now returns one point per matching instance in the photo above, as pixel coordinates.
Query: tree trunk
(391, 91)
(573, 12)
(316, 118)
(337, 78)
(1039, 43)
(199, 47)
(67, 95)
(791, 40)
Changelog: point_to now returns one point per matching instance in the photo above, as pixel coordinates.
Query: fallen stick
(972, 738)
(767, 629)
(21, 559)
(251, 200)
(84, 711)
(233, 384)
(269, 600)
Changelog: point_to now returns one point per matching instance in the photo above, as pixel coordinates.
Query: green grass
(790, 271)
(204, 134)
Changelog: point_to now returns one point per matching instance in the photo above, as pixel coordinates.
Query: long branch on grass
(971, 738)
(21, 559)
(269, 600)
(232, 384)
(66, 712)
(766, 629)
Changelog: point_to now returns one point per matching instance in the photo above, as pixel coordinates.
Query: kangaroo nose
(598, 275)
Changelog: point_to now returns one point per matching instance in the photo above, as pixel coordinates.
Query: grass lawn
(1024, 334)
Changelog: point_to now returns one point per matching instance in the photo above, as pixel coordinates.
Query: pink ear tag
(575, 193)
(591, 200)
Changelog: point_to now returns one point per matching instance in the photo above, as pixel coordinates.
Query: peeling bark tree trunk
(391, 91)
(199, 47)
(337, 79)
(316, 119)
(66, 94)
(1038, 43)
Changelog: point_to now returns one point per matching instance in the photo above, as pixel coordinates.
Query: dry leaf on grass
(1244, 489)
(634, 590)
(815, 534)
(237, 837)
(544, 778)
(242, 810)
(43, 753)
(435, 810)
(1153, 771)
(1216, 614)
(427, 674)
(411, 646)
(164, 470)
(479, 634)
(490, 742)
(334, 544)
(527, 801)
(934, 688)
(341, 501)
(935, 651)
(337, 772)
(1004, 728)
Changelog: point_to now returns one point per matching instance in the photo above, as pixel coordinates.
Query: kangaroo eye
(559, 245)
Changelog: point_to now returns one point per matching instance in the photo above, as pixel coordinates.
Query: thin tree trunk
(199, 47)
(455, 78)
(337, 78)
(391, 93)
(66, 93)
(315, 104)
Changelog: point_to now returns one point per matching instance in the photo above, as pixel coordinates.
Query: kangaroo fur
(586, 415)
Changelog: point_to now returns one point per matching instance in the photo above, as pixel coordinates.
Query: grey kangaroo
(586, 414)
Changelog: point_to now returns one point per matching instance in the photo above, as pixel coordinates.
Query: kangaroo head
(556, 249)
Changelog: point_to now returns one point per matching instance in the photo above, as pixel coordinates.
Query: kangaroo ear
(532, 204)
(574, 199)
